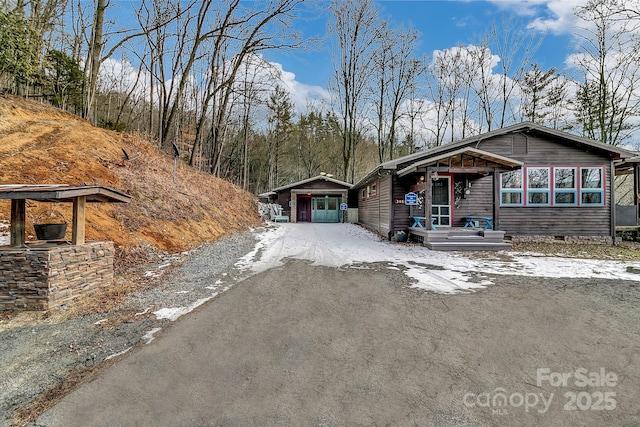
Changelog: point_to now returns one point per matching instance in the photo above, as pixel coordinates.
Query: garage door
(325, 209)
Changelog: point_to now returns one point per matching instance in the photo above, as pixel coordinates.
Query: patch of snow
(146, 310)
(5, 235)
(149, 336)
(100, 321)
(174, 313)
(211, 287)
(337, 245)
(117, 354)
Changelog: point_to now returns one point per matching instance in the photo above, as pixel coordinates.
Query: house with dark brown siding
(521, 182)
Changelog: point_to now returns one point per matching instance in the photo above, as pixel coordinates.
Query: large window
(591, 187)
(553, 186)
(538, 186)
(564, 187)
(511, 190)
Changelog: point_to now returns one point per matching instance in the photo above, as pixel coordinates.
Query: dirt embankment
(43, 145)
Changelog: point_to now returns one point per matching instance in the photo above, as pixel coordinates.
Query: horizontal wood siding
(401, 220)
(478, 203)
(543, 152)
(554, 221)
(373, 212)
(283, 198)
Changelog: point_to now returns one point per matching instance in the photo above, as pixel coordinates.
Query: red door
(304, 209)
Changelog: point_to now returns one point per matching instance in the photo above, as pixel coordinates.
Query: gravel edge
(43, 360)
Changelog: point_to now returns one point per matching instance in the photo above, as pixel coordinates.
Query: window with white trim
(565, 191)
(553, 186)
(591, 187)
(511, 190)
(538, 190)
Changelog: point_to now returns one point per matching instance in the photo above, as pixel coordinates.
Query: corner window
(364, 193)
(591, 187)
(511, 190)
(538, 186)
(564, 187)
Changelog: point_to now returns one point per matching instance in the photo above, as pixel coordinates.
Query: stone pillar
(41, 278)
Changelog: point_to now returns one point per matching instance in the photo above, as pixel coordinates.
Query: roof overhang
(315, 178)
(467, 157)
(62, 193)
(626, 166)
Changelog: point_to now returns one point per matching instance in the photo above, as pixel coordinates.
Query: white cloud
(121, 76)
(560, 18)
(554, 16)
(300, 93)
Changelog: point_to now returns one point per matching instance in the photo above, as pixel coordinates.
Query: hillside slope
(43, 145)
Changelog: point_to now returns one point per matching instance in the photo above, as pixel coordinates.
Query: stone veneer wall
(41, 278)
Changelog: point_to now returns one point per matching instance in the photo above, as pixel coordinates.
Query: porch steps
(462, 239)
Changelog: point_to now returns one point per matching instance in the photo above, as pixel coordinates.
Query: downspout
(612, 198)
(392, 228)
(378, 193)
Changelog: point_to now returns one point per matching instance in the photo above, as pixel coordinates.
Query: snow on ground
(337, 245)
(5, 237)
(173, 313)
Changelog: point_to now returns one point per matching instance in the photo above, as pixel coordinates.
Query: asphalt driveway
(300, 344)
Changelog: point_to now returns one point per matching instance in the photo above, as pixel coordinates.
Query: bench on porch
(418, 222)
(471, 222)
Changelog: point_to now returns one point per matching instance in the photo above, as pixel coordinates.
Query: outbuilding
(318, 199)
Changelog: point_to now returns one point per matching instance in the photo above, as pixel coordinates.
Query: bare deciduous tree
(396, 71)
(609, 53)
(352, 23)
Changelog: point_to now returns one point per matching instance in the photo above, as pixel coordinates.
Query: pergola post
(78, 222)
(496, 198)
(428, 197)
(18, 220)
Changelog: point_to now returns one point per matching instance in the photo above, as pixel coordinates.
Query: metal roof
(62, 193)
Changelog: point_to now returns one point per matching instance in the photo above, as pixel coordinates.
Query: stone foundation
(46, 276)
(592, 240)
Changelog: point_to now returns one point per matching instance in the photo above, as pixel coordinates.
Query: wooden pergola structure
(53, 193)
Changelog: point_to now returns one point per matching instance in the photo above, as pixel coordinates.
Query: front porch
(461, 239)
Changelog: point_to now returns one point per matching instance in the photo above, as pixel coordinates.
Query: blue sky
(442, 24)
(445, 24)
